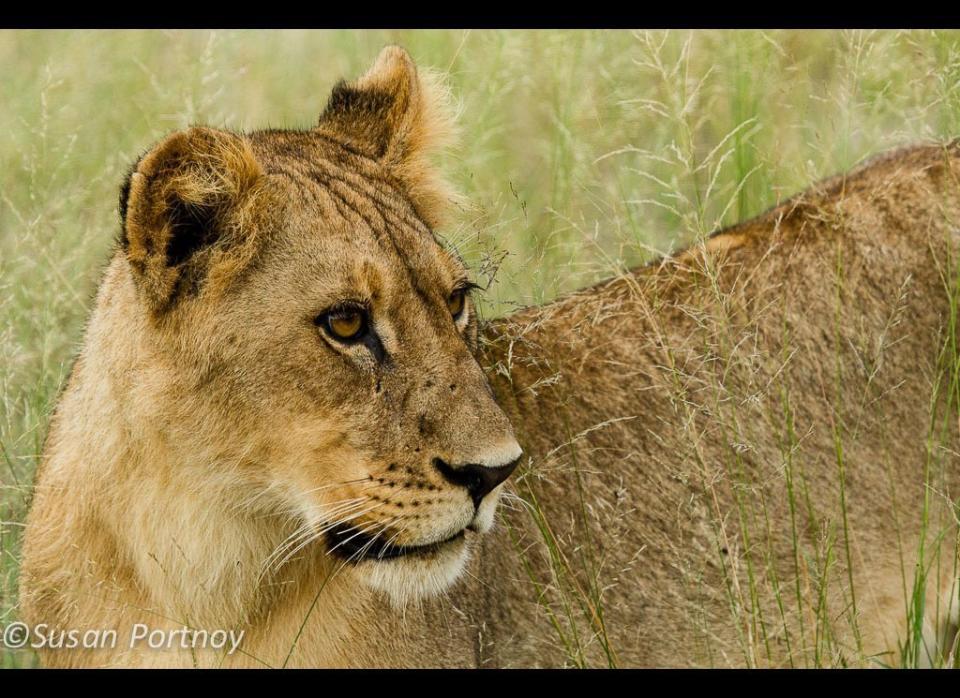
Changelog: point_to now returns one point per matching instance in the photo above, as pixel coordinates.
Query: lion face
(323, 337)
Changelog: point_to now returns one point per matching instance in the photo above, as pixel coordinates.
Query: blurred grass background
(583, 152)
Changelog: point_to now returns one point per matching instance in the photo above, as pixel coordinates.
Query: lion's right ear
(182, 211)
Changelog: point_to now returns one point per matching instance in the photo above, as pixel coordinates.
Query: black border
(483, 15)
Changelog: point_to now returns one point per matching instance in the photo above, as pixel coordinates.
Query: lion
(286, 421)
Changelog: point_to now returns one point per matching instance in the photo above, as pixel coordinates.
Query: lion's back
(690, 426)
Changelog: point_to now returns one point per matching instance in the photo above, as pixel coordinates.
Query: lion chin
(433, 569)
(412, 578)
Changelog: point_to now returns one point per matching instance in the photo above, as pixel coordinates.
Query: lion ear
(400, 117)
(182, 211)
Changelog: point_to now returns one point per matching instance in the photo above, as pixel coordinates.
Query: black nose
(478, 479)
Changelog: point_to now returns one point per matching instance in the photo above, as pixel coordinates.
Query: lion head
(322, 338)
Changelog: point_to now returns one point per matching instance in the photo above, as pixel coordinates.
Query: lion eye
(456, 302)
(346, 324)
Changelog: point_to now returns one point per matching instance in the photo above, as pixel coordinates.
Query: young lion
(279, 425)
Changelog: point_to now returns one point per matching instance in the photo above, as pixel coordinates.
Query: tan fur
(665, 415)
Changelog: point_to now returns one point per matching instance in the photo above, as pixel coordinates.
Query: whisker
(363, 550)
(358, 533)
(392, 540)
(305, 531)
(333, 524)
(321, 488)
(316, 535)
(300, 531)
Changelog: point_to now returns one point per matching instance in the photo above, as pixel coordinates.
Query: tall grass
(585, 152)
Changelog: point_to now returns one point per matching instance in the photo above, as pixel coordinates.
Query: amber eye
(346, 324)
(456, 302)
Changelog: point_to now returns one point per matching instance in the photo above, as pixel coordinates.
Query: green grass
(584, 152)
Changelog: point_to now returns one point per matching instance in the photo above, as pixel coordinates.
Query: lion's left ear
(399, 117)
